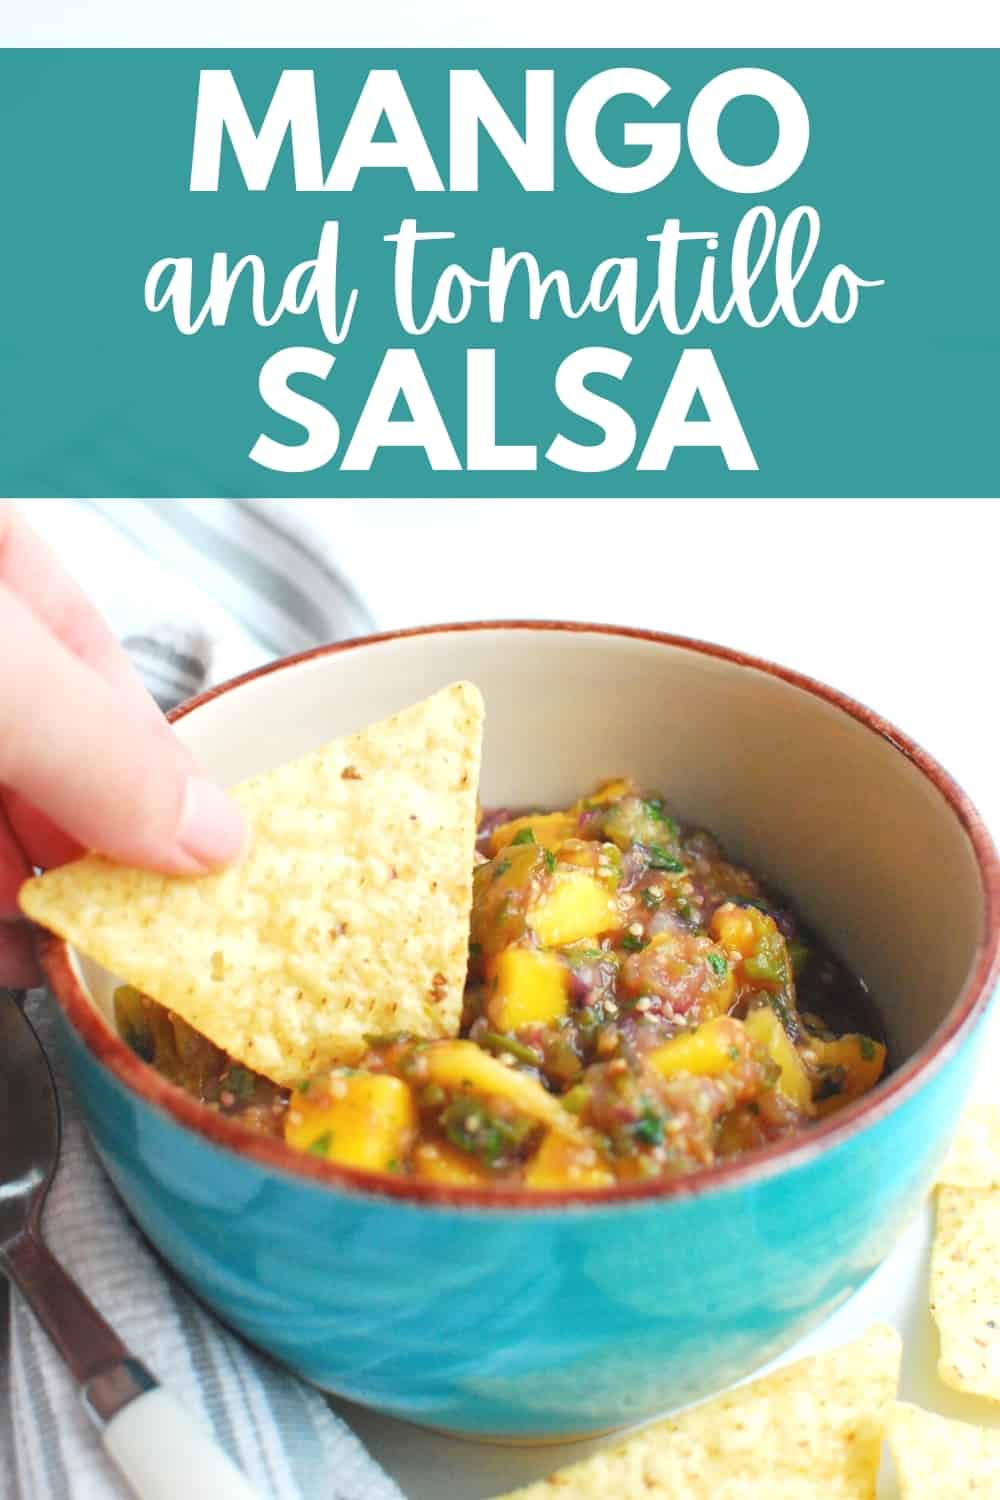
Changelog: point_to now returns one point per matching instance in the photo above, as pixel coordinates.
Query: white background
(893, 601)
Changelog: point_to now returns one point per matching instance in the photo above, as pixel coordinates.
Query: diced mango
(734, 928)
(862, 1060)
(709, 1049)
(574, 906)
(549, 830)
(531, 989)
(560, 1163)
(755, 936)
(763, 1026)
(607, 792)
(461, 1065)
(437, 1162)
(357, 1119)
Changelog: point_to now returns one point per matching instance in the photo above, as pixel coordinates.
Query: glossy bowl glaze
(528, 1317)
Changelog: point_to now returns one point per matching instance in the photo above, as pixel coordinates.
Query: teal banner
(499, 272)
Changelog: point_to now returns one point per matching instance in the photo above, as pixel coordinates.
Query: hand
(87, 761)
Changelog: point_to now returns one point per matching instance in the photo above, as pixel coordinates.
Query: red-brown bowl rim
(272, 1154)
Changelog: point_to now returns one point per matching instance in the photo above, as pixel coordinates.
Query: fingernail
(212, 828)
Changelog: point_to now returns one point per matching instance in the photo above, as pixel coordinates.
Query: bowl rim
(271, 1154)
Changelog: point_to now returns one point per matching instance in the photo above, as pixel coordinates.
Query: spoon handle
(72, 1322)
(165, 1454)
(159, 1449)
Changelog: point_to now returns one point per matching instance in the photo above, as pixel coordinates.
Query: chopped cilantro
(867, 1048)
(657, 811)
(550, 860)
(660, 859)
(304, 1085)
(523, 836)
(240, 1081)
(475, 949)
(633, 944)
(649, 1129)
(584, 955)
(493, 1138)
(718, 965)
(321, 1145)
(501, 868)
(651, 898)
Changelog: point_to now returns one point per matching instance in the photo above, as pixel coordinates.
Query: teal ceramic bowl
(537, 1318)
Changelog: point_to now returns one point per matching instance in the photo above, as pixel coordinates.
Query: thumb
(85, 756)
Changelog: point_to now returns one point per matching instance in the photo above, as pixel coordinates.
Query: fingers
(43, 843)
(88, 758)
(34, 574)
(18, 966)
(14, 869)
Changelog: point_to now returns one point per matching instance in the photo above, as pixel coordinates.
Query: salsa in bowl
(502, 1310)
(637, 1007)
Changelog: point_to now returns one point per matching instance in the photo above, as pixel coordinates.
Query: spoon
(161, 1451)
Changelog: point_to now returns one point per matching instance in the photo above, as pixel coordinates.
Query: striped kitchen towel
(200, 590)
(282, 1433)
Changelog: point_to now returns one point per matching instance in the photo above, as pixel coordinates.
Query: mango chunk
(709, 1049)
(574, 906)
(436, 1161)
(853, 1063)
(357, 1119)
(606, 793)
(763, 1026)
(755, 937)
(531, 989)
(549, 830)
(735, 929)
(560, 1163)
(462, 1066)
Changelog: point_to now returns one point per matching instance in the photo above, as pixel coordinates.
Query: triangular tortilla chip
(974, 1158)
(811, 1429)
(349, 914)
(937, 1459)
(965, 1289)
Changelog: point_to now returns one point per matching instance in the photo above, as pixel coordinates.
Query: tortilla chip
(965, 1289)
(974, 1158)
(811, 1429)
(349, 914)
(937, 1459)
